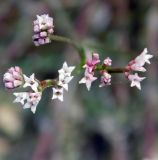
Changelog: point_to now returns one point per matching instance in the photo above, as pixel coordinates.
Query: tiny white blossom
(45, 21)
(143, 58)
(136, 67)
(88, 79)
(31, 82)
(64, 80)
(20, 97)
(66, 70)
(32, 101)
(28, 99)
(135, 80)
(58, 93)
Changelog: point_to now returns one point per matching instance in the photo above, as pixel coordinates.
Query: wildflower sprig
(43, 28)
(15, 78)
(92, 65)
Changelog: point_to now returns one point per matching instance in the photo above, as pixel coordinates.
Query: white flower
(138, 63)
(135, 80)
(32, 101)
(137, 67)
(28, 99)
(32, 82)
(65, 75)
(143, 58)
(20, 97)
(88, 79)
(45, 21)
(58, 93)
(65, 70)
(64, 80)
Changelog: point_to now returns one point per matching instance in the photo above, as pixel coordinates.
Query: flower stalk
(47, 83)
(73, 43)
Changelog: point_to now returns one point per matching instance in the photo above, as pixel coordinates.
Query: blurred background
(112, 123)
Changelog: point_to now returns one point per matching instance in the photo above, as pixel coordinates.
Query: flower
(65, 70)
(32, 82)
(105, 79)
(91, 63)
(64, 80)
(137, 67)
(88, 79)
(43, 26)
(138, 63)
(28, 99)
(20, 97)
(13, 78)
(95, 58)
(135, 80)
(65, 75)
(58, 93)
(107, 62)
(143, 58)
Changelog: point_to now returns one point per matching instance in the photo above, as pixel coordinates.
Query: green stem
(110, 69)
(47, 83)
(115, 70)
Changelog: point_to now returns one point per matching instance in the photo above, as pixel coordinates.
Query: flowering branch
(43, 34)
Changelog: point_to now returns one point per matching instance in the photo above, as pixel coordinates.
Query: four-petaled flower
(135, 80)
(45, 22)
(31, 82)
(88, 79)
(138, 63)
(65, 70)
(58, 93)
(64, 80)
(143, 57)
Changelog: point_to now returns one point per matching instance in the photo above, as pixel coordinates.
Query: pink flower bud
(105, 79)
(107, 61)
(95, 58)
(13, 78)
(43, 34)
(43, 27)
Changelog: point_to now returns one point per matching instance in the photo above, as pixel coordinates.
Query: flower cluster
(43, 27)
(137, 65)
(91, 66)
(14, 78)
(63, 80)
